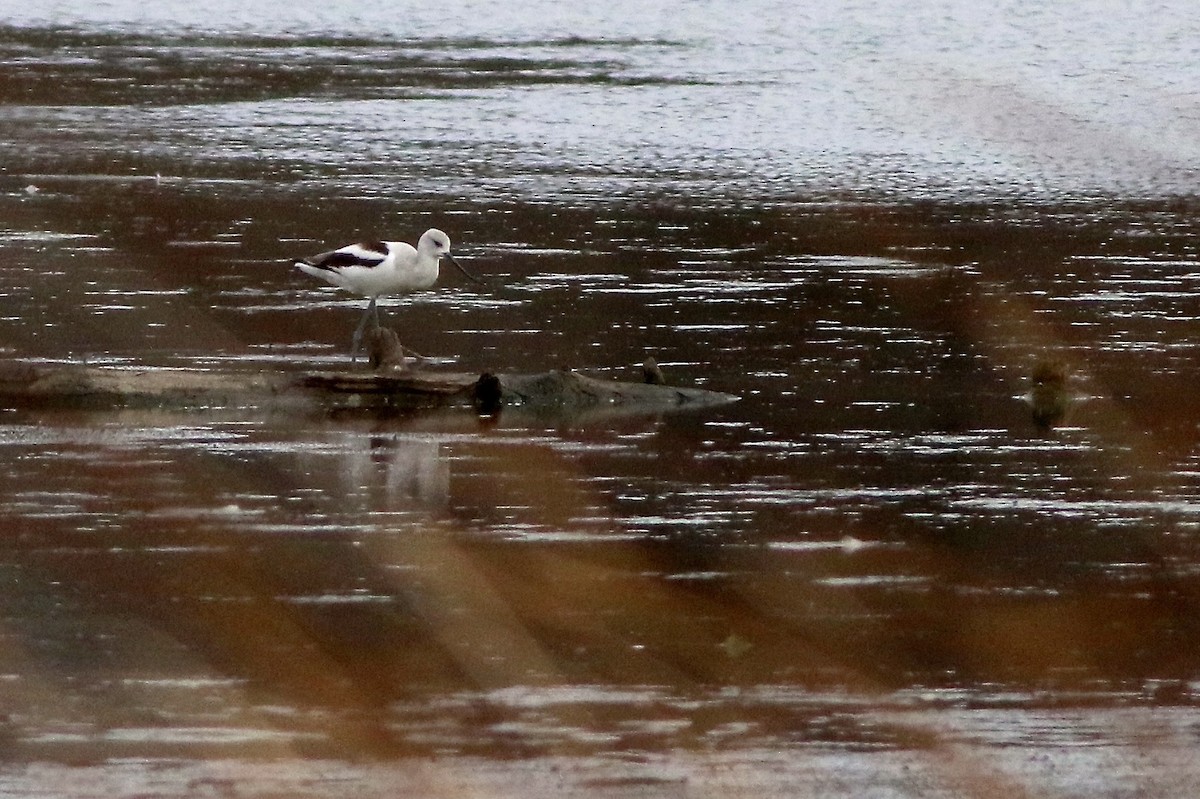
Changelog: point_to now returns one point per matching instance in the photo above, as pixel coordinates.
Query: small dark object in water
(487, 394)
(1049, 398)
(651, 373)
(385, 350)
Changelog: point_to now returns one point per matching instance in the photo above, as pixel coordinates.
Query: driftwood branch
(25, 385)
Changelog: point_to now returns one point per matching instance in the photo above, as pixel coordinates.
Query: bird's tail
(316, 271)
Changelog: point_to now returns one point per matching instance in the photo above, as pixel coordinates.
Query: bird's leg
(405, 351)
(356, 341)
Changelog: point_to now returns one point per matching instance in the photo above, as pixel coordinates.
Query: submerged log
(561, 389)
(566, 388)
(25, 385)
(417, 385)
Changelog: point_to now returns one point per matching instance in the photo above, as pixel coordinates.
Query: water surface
(872, 570)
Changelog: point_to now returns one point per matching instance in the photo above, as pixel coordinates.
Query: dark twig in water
(1050, 398)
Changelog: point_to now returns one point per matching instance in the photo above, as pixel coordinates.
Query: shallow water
(872, 570)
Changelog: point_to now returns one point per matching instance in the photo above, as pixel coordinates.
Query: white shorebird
(376, 269)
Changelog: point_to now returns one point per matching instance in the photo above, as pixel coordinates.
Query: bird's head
(437, 244)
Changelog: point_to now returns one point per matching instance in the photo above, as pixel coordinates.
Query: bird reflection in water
(395, 472)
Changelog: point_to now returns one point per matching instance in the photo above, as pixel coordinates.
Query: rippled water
(871, 226)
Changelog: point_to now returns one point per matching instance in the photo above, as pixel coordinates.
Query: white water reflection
(390, 472)
(946, 100)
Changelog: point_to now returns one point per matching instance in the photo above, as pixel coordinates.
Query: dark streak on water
(108, 69)
(875, 536)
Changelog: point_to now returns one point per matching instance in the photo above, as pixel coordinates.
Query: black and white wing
(366, 254)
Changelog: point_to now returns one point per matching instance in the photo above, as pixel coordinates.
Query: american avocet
(376, 269)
